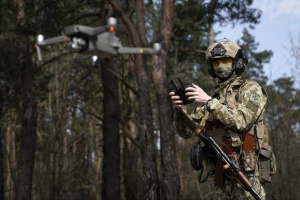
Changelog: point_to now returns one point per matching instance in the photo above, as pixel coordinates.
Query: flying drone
(88, 39)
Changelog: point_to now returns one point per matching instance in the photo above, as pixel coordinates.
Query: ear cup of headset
(240, 63)
(239, 66)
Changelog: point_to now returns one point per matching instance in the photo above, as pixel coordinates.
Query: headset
(240, 62)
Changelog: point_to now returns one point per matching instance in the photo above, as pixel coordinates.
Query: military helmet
(226, 49)
(223, 49)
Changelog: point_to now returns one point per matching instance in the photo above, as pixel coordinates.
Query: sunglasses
(216, 62)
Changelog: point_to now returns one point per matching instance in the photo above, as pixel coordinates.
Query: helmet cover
(223, 49)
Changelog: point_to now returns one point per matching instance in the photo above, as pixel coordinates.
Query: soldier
(235, 118)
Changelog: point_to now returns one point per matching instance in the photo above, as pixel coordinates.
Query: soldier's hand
(197, 95)
(176, 100)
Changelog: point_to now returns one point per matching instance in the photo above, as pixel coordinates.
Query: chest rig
(230, 141)
(227, 94)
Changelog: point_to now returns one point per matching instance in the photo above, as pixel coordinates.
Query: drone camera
(78, 43)
(180, 91)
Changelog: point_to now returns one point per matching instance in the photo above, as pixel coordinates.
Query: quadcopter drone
(87, 39)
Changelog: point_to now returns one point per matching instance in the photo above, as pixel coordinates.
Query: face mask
(222, 67)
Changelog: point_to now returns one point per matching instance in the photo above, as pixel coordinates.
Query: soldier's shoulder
(250, 84)
(253, 88)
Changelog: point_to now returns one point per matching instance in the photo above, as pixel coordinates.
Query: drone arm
(129, 50)
(42, 42)
(99, 30)
(53, 40)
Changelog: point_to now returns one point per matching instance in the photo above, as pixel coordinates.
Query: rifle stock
(228, 164)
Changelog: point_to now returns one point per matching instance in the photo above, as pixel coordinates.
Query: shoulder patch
(254, 99)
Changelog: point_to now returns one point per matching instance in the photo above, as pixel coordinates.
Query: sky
(279, 22)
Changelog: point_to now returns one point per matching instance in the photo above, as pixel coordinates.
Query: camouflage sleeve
(180, 126)
(250, 105)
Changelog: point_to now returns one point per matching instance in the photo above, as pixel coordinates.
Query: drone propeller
(41, 42)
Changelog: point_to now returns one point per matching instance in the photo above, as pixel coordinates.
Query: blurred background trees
(71, 129)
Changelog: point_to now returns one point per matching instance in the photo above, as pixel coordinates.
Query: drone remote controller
(180, 91)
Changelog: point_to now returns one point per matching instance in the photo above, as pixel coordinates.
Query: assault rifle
(218, 153)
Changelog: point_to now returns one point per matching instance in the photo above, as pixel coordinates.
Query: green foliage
(187, 58)
(282, 117)
(223, 12)
(294, 59)
(256, 60)
(234, 11)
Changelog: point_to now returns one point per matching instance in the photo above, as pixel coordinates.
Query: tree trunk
(28, 109)
(1, 157)
(151, 186)
(10, 153)
(111, 136)
(211, 14)
(211, 34)
(29, 123)
(132, 169)
(150, 175)
(169, 169)
(148, 151)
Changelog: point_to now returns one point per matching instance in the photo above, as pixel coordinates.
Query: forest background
(73, 129)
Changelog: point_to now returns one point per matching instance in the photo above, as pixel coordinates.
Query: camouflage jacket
(237, 104)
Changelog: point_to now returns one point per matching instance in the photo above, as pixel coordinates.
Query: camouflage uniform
(237, 105)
